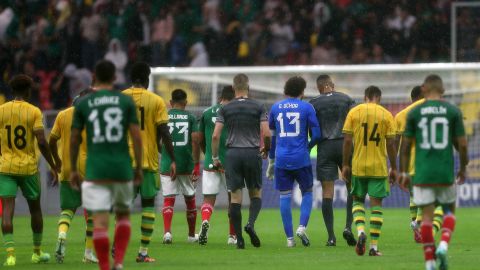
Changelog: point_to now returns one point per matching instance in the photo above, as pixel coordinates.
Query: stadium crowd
(57, 42)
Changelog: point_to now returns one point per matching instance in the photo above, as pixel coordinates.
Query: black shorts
(329, 159)
(243, 167)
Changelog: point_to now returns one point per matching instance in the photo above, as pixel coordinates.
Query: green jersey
(106, 116)
(206, 126)
(434, 125)
(181, 125)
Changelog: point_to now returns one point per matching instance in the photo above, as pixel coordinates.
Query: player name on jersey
(178, 117)
(100, 101)
(433, 110)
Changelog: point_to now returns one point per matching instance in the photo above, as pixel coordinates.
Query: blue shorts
(284, 179)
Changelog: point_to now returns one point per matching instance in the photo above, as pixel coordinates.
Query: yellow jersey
(401, 123)
(370, 125)
(18, 122)
(62, 131)
(151, 112)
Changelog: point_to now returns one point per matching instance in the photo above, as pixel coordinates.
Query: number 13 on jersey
(292, 119)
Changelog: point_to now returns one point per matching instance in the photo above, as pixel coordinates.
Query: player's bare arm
(404, 179)
(196, 156)
(134, 130)
(75, 141)
(47, 154)
(217, 132)
(166, 139)
(267, 139)
(392, 156)
(52, 142)
(462, 148)
(347, 151)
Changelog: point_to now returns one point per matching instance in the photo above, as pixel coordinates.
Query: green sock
(376, 222)
(358, 211)
(9, 244)
(148, 220)
(37, 242)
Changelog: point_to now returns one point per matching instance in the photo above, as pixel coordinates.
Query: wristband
(215, 158)
(404, 174)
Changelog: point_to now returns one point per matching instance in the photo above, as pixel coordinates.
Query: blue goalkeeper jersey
(290, 121)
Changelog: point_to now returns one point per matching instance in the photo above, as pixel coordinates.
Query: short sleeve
(56, 131)
(459, 127)
(263, 113)
(391, 130)
(131, 111)
(312, 117)
(78, 118)
(38, 120)
(410, 125)
(348, 126)
(400, 123)
(221, 115)
(161, 116)
(271, 120)
(193, 123)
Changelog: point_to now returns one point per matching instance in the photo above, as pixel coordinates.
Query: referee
(245, 120)
(332, 108)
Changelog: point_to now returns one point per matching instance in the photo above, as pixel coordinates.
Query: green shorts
(29, 184)
(69, 197)
(377, 187)
(150, 185)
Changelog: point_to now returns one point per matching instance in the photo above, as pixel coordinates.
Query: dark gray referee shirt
(332, 109)
(242, 117)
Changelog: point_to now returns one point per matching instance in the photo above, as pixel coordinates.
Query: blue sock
(306, 208)
(286, 212)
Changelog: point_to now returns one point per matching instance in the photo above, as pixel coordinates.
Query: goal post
(461, 80)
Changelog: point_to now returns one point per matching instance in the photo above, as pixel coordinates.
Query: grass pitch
(396, 243)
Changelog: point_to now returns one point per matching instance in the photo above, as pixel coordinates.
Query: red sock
(122, 236)
(428, 240)
(167, 211)
(448, 227)
(232, 229)
(207, 210)
(191, 215)
(102, 248)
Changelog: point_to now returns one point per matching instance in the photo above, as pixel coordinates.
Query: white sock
(443, 245)
(143, 251)
(374, 247)
(430, 264)
(62, 235)
(359, 232)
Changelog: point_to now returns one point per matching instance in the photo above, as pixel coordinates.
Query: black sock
(255, 206)
(349, 220)
(236, 217)
(327, 211)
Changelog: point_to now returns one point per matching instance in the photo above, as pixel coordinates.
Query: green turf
(396, 243)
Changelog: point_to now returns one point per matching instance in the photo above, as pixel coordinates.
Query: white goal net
(462, 82)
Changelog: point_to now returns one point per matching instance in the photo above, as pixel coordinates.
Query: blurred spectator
(199, 55)
(47, 37)
(119, 58)
(91, 27)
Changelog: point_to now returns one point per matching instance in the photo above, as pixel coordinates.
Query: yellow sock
(66, 217)
(89, 232)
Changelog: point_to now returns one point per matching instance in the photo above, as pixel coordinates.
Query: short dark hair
(434, 82)
(372, 92)
(82, 93)
(179, 95)
(322, 78)
(416, 93)
(21, 84)
(227, 93)
(294, 86)
(104, 71)
(140, 73)
(240, 82)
